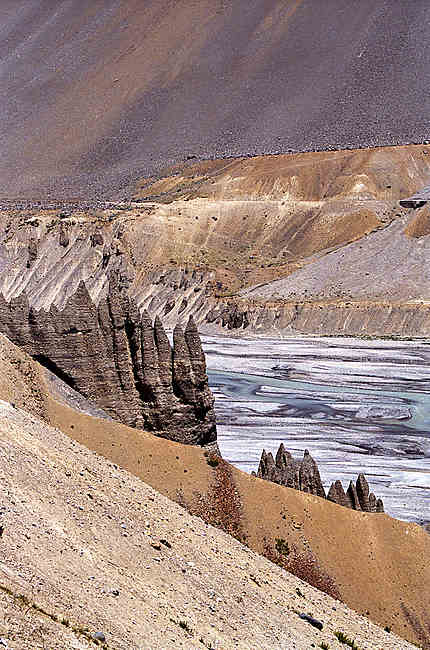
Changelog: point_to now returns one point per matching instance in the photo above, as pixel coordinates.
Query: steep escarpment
(120, 361)
(304, 476)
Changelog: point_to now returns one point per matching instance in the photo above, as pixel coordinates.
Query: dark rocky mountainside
(121, 362)
(304, 476)
(94, 94)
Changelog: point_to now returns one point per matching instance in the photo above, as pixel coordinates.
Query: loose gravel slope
(92, 94)
(97, 548)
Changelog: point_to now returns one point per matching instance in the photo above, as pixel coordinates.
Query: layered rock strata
(304, 475)
(120, 361)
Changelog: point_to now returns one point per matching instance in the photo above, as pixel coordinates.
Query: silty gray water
(356, 405)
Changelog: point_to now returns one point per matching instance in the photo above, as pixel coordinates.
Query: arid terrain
(312, 243)
(230, 168)
(338, 550)
(95, 96)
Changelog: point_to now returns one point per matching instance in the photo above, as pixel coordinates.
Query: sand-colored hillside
(378, 173)
(88, 548)
(375, 564)
(237, 223)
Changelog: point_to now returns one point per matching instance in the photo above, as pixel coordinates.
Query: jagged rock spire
(362, 488)
(379, 505)
(120, 361)
(150, 368)
(337, 494)
(309, 476)
(352, 497)
(183, 377)
(164, 351)
(197, 357)
(304, 475)
(267, 467)
(288, 468)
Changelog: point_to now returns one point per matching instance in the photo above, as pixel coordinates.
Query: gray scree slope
(95, 94)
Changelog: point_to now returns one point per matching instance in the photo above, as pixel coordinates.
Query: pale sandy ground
(79, 529)
(379, 565)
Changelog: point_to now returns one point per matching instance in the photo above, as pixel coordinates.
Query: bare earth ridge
(313, 243)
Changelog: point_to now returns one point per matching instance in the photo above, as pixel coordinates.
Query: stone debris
(313, 621)
(304, 476)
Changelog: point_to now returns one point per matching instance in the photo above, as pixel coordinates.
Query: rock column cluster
(357, 497)
(304, 475)
(118, 359)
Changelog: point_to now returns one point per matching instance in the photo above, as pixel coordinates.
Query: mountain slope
(82, 542)
(95, 94)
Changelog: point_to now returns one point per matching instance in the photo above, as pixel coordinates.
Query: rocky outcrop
(304, 475)
(301, 475)
(337, 494)
(121, 362)
(357, 497)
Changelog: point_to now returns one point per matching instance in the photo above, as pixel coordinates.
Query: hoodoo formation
(121, 362)
(304, 475)
(234, 169)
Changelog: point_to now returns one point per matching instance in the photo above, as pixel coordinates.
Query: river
(357, 405)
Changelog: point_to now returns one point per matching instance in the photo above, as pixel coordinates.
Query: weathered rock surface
(119, 361)
(337, 494)
(301, 475)
(304, 476)
(321, 317)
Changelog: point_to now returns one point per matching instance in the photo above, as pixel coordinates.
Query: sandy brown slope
(238, 222)
(378, 173)
(375, 564)
(96, 549)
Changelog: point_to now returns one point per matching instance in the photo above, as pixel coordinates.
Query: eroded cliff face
(306, 243)
(320, 317)
(304, 476)
(116, 358)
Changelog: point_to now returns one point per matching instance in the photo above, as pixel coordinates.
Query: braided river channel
(357, 405)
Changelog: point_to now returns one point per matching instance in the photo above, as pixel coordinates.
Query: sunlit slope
(95, 93)
(375, 564)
